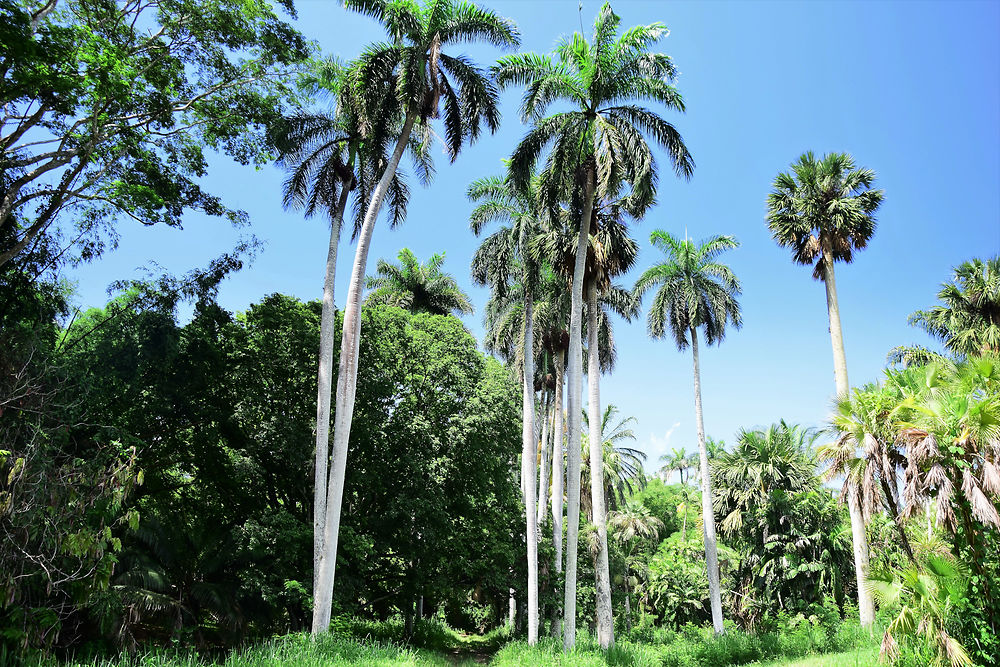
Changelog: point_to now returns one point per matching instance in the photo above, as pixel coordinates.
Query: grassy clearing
(859, 658)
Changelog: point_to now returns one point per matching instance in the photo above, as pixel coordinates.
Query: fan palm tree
(695, 291)
(968, 321)
(421, 80)
(596, 148)
(325, 154)
(503, 258)
(865, 419)
(927, 597)
(416, 287)
(824, 210)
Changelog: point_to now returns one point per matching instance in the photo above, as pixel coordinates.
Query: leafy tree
(596, 149)
(105, 120)
(824, 210)
(695, 291)
(417, 75)
(632, 524)
(419, 288)
(968, 319)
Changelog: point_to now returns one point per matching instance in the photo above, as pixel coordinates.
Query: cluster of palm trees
(558, 239)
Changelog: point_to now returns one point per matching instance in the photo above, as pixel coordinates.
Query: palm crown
(424, 81)
(607, 130)
(968, 319)
(694, 289)
(823, 209)
(419, 288)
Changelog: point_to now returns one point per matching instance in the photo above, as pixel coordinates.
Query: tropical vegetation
(172, 494)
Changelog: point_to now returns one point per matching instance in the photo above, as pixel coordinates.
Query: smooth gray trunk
(558, 476)
(866, 606)
(347, 381)
(707, 500)
(546, 453)
(327, 336)
(573, 410)
(529, 453)
(602, 571)
(557, 482)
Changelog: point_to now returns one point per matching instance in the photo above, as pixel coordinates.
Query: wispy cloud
(656, 446)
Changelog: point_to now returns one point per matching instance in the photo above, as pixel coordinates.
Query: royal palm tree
(595, 149)
(416, 287)
(968, 319)
(695, 292)
(503, 258)
(824, 210)
(325, 153)
(421, 81)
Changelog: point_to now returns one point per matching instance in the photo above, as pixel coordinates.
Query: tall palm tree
(503, 258)
(325, 154)
(416, 287)
(596, 148)
(824, 210)
(968, 319)
(413, 72)
(695, 292)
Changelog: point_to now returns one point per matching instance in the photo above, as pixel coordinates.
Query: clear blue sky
(911, 89)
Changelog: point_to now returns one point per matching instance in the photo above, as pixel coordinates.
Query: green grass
(860, 658)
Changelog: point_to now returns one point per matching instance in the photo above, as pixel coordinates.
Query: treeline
(156, 475)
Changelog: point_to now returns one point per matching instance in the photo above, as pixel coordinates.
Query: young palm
(503, 258)
(421, 81)
(824, 210)
(416, 287)
(682, 463)
(595, 149)
(695, 292)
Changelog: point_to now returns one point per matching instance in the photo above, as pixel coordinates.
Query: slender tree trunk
(707, 500)
(543, 477)
(573, 410)
(511, 609)
(628, 611)
(327, 335)
(602, 571)
(557, 482)
(347, 381)
(529, 452)
(557, 466)
(866, 607)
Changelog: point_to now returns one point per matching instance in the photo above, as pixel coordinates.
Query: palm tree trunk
(557, 481)
(573, 410)
(707, 510)
(529, 452)
(866, 607)
(327, 334)
(347, 381)
(602, 571)
(543, 476)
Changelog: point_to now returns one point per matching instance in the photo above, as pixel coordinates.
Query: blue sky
(911, 89)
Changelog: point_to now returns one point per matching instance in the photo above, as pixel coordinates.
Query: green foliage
(419, 288)
(968, 319)
(106, 119)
